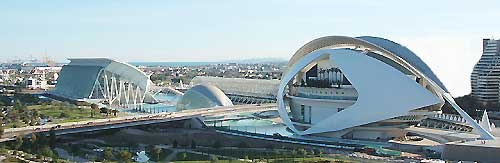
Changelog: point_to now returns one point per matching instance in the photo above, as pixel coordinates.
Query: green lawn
(191, 157)
(284, 160)
(70, 113)
(220, 161)
(164, 153)
(57, 112)
(279, 157)
(12, 160)
(242, 153)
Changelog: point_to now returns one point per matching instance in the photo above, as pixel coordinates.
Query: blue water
(172, 64)
(166, 97)
(167, 104)
(261, 126)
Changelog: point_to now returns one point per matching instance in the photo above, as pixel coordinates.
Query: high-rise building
(485, 77)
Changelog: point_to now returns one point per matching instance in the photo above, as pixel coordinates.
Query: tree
(74, 149)
(184, 156)
(18, 143)
(193, 144)
(276, 154)
(46, 151)
(242, 144)
(52, 138)
(63, 115)
(41, 139)
(108, 154)
(157, 152)
(35, 114)
(18, 105)
(33, 140)
(312, 154)
(93, 107)
(303, 152)
(104, 110)
(294, 153)
(150, 150)
(1, 130)
(217, 144)
(175, 144)
(214, 159)
(124, 156)
(114, 112)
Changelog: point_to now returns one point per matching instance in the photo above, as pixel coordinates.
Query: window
(310, 114)
(302, 112)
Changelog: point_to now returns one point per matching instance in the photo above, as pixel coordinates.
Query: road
(135, 120)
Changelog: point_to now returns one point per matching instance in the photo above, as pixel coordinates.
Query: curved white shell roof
(77, 79)
(384, 47)
(405, 54)
(124, 70)
(371, 63)
(203, 96)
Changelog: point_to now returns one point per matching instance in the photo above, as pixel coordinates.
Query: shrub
(63, 115)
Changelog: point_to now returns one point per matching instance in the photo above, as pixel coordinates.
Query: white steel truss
(117, 91)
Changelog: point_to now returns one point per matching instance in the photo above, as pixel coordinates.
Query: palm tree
(303, 153)
(157, 152)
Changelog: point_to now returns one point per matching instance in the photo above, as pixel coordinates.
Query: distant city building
(485, 77)
(37, 83)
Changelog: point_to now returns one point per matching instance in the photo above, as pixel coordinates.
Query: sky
(446, 34)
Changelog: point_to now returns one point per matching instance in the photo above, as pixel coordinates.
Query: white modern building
(203, 96)
(360, 88)
(485, 77)
(36, 83)
(240, 86)
(109, 81)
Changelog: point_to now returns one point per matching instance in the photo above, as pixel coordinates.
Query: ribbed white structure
(485, 77)
(240, 86)
(361, 88)
(114, 82)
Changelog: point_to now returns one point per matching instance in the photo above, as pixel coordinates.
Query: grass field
(191, 157)
(11, 160)
(285, 160)
(55, 113)
(69, 113)
(220, 161)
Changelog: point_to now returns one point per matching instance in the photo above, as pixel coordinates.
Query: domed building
(203, 96)
(360, 88)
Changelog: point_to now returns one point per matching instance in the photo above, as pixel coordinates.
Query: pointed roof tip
(485, 121)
